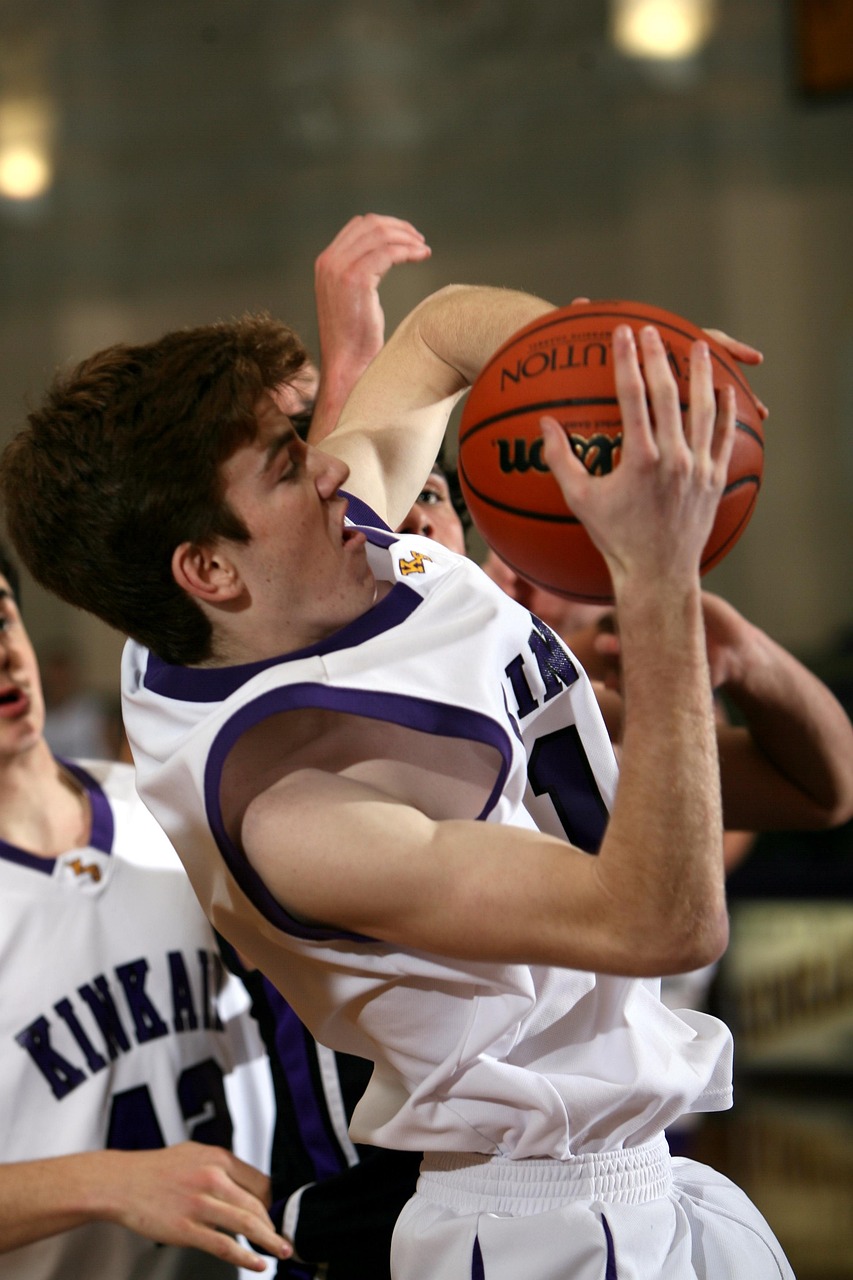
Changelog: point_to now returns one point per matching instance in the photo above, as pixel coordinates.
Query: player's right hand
(651, 516)
(198, 1196)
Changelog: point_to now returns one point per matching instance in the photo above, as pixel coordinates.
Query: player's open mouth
(351, 535)
(13, 702)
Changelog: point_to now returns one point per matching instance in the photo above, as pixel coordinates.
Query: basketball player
(118, 1033)
(393, 789)
(337, 1200)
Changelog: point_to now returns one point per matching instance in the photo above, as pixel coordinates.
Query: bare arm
(791, 766)
(350, 319)
(394, 421)
(191, 1195)
(652, 901)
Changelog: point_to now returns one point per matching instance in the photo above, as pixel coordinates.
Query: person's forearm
(189, 1194)
(666, 826)
(337, 379)
(393, 424)
(40, 1198)
(802, 732)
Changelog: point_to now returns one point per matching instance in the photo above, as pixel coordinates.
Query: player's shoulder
(138, 835)
(115, 778)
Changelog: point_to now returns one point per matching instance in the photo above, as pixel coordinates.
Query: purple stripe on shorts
(610, 1272)
(478, 1271)
(292, 1051)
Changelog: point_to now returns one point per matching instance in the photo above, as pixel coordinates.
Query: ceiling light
(665, 29)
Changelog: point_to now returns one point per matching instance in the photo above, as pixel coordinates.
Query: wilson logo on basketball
(599, 453)
(520, 455)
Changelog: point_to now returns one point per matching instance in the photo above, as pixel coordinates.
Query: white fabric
(122, 923)
(500, 1059)
(625, 1216)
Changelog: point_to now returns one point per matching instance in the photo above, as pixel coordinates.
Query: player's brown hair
(122, 463)
(9, 570)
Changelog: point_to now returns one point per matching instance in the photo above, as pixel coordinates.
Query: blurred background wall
(197, 155)
(169, 162)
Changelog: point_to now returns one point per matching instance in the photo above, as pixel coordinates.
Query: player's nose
(329, 472)
(417, 521)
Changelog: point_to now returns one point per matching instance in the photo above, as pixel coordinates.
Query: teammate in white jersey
(120, 1030)
(390, 784)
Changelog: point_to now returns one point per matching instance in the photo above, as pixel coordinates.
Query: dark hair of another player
(451, 475)
(9, 570)
(122, 463)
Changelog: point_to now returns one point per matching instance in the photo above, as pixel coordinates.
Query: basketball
(561, 365)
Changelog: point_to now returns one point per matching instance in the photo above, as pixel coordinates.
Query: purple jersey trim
(360, 513)
(414, 713)
(478, 1271)
(103, 826)
(215, 684)
(103, 822)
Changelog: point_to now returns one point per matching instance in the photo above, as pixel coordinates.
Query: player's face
(434, 515)
(21, 700)
(563, 616)
(306, 574)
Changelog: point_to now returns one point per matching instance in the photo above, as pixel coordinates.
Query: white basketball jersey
(500, 1059)
(119, 1023)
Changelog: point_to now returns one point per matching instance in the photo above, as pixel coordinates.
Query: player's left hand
(347, 276)
(744, 354)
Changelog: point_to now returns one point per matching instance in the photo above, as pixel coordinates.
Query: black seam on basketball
(542, 406)
(554, 518)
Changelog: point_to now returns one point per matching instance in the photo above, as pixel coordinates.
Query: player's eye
(429, 498)
(302, 421)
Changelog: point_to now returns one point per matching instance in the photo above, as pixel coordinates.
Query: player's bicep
(339, 853)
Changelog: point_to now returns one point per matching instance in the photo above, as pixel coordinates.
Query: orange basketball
(561, 364)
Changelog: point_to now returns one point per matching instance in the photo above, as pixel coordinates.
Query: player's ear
(205, 572)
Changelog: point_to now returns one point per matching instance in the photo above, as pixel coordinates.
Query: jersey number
(201, 1096)
(559, 767)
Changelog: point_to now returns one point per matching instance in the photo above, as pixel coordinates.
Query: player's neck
(43, 809)
(240, 640)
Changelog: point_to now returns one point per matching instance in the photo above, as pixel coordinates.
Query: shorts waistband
(472, 1183)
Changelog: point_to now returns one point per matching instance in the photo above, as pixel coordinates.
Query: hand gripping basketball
(653, 513)
(562, 365)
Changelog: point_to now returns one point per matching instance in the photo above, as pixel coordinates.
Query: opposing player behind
(119, 1029)
(391, 786)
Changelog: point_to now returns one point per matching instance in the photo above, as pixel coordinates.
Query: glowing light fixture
(668, 30)
(26, 159)
(24, 173)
